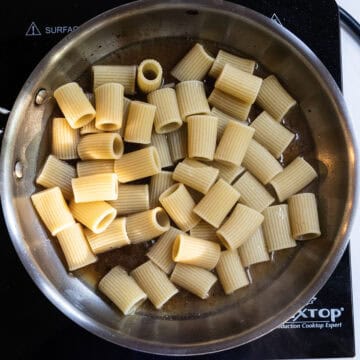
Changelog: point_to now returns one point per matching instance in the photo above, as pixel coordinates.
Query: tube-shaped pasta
(205, 231)
(254, 250)
(57, 173)
(193, 251)
(126, 109)
(155, 283)
(93, 167)
(74, 104)
(194, 279)
(298, 174)
(100, 146)
(95, 187)
(191, 98)
(253, 193)
(96, 216)
(179, 204)
(53, 210)
(238, 83)
(122, 290)
(200, 178)
(261, 163)
(131, 199)
(158, 184)
(224, 57)
(272, 135)
(234, 143)
(274, 99)
(161, 252)
(217, 203)
(122, 74)
(149, 75)
(139, 122)
(114, 237)
(89, 128)
(109, 100)
(147, 225)
(75, 247)
(276, 227)
(64, 139)
(231, 273)
(304, 218)
(194, 65)
(177, 141)
(202, 130)
(238, 228)
(227, 172)
(160, 142)
(229, 104)
(167, 116)
(138, 165)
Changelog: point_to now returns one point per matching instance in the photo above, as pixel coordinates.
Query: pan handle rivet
(18, 170)
(41, 97)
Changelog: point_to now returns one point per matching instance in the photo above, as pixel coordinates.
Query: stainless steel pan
(281, 288)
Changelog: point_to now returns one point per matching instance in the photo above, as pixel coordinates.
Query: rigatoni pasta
(160, 143)
(64, 139)
(227, 172)
(158, 184)
(177, 141)
(205, 231)
(223, 120)
(149, 75)
(93, 167)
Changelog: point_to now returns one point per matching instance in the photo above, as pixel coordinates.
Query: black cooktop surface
(33, 327)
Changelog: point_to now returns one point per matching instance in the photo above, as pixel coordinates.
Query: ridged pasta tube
(64, 139)
(227, 172)
(158, 184)
(177, 141)
(205, 231)
(162, 146)
(147, 225)
(93, 167)
(149, 75)
(74, 104)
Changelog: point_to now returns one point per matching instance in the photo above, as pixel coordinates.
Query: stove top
(34, 328)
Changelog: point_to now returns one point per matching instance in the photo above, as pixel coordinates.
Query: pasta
(138, 165)
(167, 115)
(229, 104)
(126, 109)
(238, 228)
(298, 174)
(194, 65)
(194, 279)
(304, 218)
(272, 135)
(149, 75)
(224, 57)
(254, 250)
(276, 228)
(89, 129)
(234, 143)
(122, 290)
(114, 237)
(217, 203)
(131, 199)
(161, 252)
(177, 141)
(191, 98)
(261, 163)
(75, 247)
(194, 251)
(53, 210)
(179, 205)
(139, 122)
(155, 283)
(160, 142)
(93, 167)
(231, 273)
(74, 104)
(122, 74)
(200, 178)
(147, 225)
(202, 130)
(64, 139)
(100, 146)
(158, 184)
(96, 215)
(57, 173)
(95, 187)
(227, 172)
(205, 231)
(238, 83)
(253, 193)
(274, 99)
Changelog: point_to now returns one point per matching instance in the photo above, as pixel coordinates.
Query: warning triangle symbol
(275, 18)
(33, 30)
